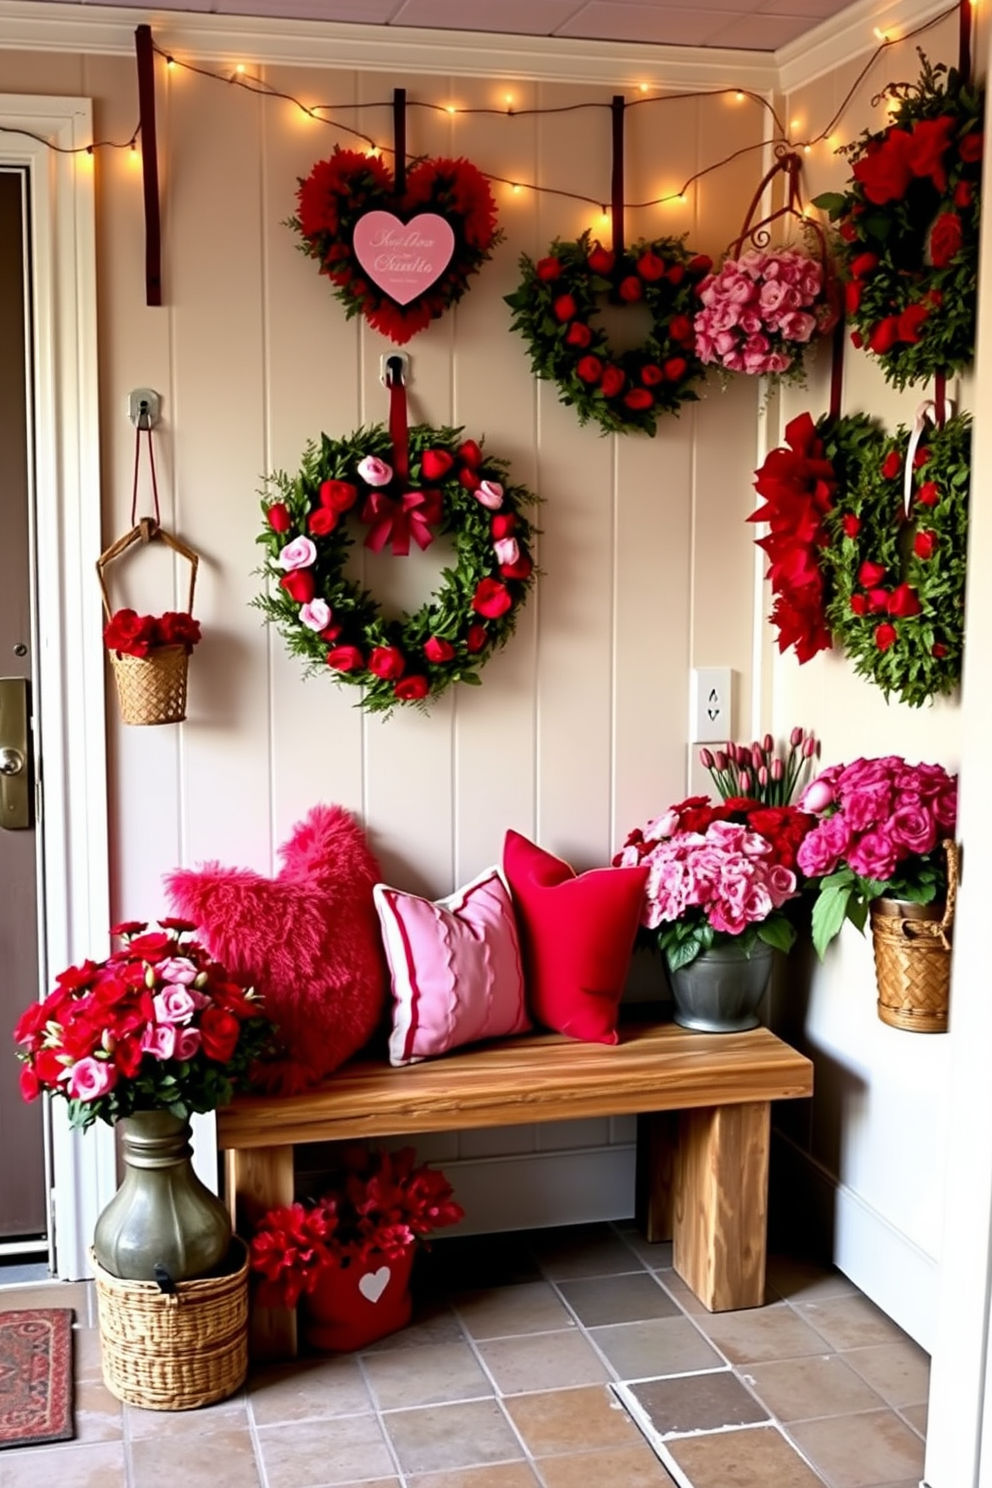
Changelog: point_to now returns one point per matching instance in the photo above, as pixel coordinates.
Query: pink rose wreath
(451, 486)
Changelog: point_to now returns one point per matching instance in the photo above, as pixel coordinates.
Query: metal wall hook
(394, 369)
(143, 407)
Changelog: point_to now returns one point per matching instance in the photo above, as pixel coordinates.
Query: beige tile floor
(561, 1359)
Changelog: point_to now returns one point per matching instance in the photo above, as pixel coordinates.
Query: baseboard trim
(533, 1191)
(885, 1264)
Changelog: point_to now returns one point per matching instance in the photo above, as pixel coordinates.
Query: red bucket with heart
(354, 1305)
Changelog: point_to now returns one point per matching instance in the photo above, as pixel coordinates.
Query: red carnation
(650, 266)
(675, 369)
(885, 634)
(412, 688)
(857, 340)
(675, 274)
(850, 524)
(613, 381)
(928, 144)
(590, 369)
(921, 457)
(924, 544)
(564, 307)
(651, 375)
(911, 323)
(700, 265)
(522, 569)
(945, 239)
(436, 463)
(475, 638)
(853, 292)
(547, 268)
(848, 232)
(864, 264)
(884, 335)
(884, 174)
(469, 453)
(299, 585)
(631, 289)
(638, 398)
(436, 649)
(904, 601)
(219, 1033)
(892, 465)
(387, 662)
(970, 148)
(502, 524)
(878, 600)
(859, 604)
(578, 334)
(469, 479)
(938, 649)
(345, 659)
(680, 328)
(279, 518)
(600, 261)
(491, 598)
(870, 574)
(964, 194)
(338, 495)
(322, 521)
(928, 494)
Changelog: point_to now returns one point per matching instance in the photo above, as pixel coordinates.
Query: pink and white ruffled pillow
(455, 963)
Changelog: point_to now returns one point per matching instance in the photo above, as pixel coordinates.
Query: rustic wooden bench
(703, 1103)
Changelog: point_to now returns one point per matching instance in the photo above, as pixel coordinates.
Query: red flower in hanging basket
(137, 635)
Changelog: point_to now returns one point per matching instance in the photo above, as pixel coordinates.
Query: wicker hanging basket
(151, 689)
(912, 945)
(179, 1350)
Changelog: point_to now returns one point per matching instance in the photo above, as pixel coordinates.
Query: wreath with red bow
(453, 487)
(908, 224)
(849, 563)
(338, 192)
(555, 306)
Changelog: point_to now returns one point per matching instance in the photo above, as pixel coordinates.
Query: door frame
(74, 898)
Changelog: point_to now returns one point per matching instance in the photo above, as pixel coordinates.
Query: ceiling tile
(518, 17)
(760, 33)
(807, 8)
(371, 12)
(617, 20)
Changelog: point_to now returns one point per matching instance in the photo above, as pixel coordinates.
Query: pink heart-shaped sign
(374, 1283)
(403, 259)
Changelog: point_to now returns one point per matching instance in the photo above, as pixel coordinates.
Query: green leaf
(776, 931)
(829, 913)
(682, 953)
(832, 202)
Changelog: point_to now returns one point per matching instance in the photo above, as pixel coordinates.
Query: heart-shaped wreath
(400, 261)
(554, 309)
(909, 229)
(329, 621)
(848, 562)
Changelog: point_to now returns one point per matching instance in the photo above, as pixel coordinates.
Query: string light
(170, 63)
(643, 87)
(795, 123)
(882, 36)
(739, 95)
(240, 67)
(450, 108)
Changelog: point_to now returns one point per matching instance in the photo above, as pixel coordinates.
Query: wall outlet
(711, 705)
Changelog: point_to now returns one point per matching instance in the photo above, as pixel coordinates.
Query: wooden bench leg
(657, 1140)
(258, 1179)
(721, 1203)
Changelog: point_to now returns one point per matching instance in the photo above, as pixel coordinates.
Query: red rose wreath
(909, 228)
(338, 192)
(453, 487)
(555, 307)
(850, 562)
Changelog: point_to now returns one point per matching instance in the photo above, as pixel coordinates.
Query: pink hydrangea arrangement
(761, 311)
(159, 1025)
(723, 882)
(882, 823)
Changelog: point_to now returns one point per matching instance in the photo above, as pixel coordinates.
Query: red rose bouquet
(718, 873)
(159, 1025)
(381, 1205)
(132, 634)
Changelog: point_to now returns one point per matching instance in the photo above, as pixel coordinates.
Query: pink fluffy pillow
(308, 940)
(456, 969)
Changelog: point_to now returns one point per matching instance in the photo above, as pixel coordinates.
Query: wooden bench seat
(702, 1173)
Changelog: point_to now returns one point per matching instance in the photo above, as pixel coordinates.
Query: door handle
(15, 749)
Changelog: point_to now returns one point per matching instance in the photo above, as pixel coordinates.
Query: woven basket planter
(175, 1351)
(151, 689)
(912, 944)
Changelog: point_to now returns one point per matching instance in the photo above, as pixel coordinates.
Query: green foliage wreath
(908, 224)
(454, 487)
(554, 309)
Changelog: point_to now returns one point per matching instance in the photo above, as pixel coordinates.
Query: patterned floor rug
(36, 1376)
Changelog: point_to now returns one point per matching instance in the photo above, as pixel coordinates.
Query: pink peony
(874, 855)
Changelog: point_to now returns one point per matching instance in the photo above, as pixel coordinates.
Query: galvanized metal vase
(162, 1215)
(721, 990)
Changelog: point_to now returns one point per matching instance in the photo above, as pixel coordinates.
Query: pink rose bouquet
(761, 311)
(381, 1204)
(159, 1025)
(882, 823)
(717, 873)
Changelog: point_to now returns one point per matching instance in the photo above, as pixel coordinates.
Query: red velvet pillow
(576, 934)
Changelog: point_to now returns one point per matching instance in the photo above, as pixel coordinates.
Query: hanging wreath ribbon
(555, 308)
(908, 224)
(451, 486)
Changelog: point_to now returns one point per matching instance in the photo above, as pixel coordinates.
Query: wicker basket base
(152, 689)
(178, 1351)
(912, 966)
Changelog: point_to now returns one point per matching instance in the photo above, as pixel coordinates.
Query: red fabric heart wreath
(350, 186)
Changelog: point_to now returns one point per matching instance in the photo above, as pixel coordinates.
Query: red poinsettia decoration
(339, 191)
(132, 634)
(797, 484)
